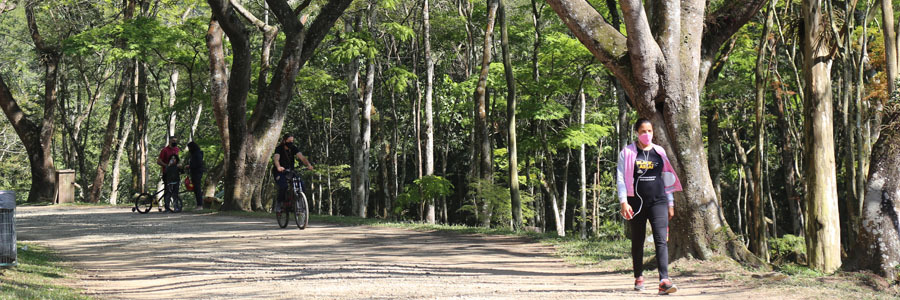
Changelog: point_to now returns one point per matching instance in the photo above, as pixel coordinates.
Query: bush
(788, 248)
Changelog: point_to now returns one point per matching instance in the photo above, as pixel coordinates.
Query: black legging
(657, 212)
(198, 193)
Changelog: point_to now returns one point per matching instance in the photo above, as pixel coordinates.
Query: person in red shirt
(164, 160)
(166, 154)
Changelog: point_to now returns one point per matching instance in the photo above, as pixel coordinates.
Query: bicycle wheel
(143, 203)
(301, 211)
(283, 215)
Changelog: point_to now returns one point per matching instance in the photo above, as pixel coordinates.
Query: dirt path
(124, 255)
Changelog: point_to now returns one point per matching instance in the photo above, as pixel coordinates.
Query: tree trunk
(715, 150)
(516, 204)
(366, 138)
(141, 121)
(787, 166)
(877, 247)
(37, 138)
(429, 110)
(357, 190)
(250, 141)
(890, 48)
(124, 132)
(109, 137)
(823, 229)
(582, 170)
(758, 237)
(173, 97)
(663, 70)
(482, 135)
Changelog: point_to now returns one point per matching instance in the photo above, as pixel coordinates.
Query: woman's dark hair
(193, 147)
(640, 122)
(286, 136)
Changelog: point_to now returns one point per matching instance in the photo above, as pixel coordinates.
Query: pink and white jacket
(625, 174)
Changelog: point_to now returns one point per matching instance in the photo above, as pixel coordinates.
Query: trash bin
(65, 186)
(7, 228)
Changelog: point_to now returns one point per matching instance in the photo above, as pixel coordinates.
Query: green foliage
(353, 45)
(780, 248)
(423, 189)
(399, 79)
(399, 31)
(588, 135)
(499, 199)
(544, 110)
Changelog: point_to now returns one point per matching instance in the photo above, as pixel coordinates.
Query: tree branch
(33, 28)
(248, 15)
(285, 15)
(603, 40)
(321, 25)
(720, 25)
(23, 126)
(300, 8)
(6, 6)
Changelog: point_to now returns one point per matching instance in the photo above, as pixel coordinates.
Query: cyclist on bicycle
(285, 153)
(168, 161)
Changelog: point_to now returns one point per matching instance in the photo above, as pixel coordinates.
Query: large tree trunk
(482, 135)
(429, 110)
(877, 247)
(250, 141)
(823, 229)
(663, 69)
(758, 238)
(37, 138)
(516, 203)
(43, 179)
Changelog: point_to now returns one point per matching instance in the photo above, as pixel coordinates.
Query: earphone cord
(646, 158)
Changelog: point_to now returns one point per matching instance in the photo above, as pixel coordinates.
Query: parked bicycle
(294, 203)
(143, 202)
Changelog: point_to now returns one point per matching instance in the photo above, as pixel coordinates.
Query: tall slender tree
(482, 135)
(429, 105)
(512, 149)
(126, 82)
(822, 226)
(758, 238)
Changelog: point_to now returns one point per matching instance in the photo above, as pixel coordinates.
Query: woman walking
(645, 181)
(196, 167)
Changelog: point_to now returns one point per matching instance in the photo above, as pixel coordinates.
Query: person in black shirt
(645, 181)
(196, 166)
(283, 160)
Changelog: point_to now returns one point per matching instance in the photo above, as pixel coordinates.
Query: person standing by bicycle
(285, 153)
(166, 162)
(196, 166)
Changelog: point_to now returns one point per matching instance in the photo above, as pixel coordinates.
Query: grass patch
(37, 276)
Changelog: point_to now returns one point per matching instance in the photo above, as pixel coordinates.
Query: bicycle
(295, 201)
(143, 202)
